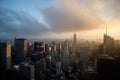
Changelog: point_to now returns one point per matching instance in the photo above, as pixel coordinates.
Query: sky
(58, 19)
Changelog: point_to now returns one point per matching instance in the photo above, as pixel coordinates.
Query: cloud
(73, 15)
(18, 22)
(114, 7)
(62, 16)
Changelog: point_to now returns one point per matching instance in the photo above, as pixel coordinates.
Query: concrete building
(48, 61)
(66, 49)
(41, 46)
(117, 43)
(53, 50)
(84, 54)
(58, 63)
(21, 49)
(5, 55)
(26, 71)
(108, 68)
(65, 57)
(58, 68)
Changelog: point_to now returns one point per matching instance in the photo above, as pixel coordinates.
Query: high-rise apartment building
(5, 55)
(21, 49)
(27, 71)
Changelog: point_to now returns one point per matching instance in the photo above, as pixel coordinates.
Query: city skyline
(52, 18)
(69, 59)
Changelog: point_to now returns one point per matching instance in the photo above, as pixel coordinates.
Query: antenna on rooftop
(106, 29)
(16, 36)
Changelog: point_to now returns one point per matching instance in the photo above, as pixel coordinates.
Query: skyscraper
(27, 71)
(58, 63)
(74, 44)
(108, 67)
(116, 43)
(73, 56)
(20, 49)
(5, 55)
(65, 49)
(41, 46)
(74, 40)
(65, 57)
(84, 54)
(108, 44)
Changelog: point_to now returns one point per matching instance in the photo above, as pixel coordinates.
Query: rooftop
(105, 56)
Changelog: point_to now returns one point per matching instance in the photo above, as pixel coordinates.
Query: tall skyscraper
(73, 55)
(74, 40)
(58, 63)
(108, 44)
(5, 55)
(84, 54)
(74, 45)
(53, 49)
(65, 57)
(66, 49)
(20, 49)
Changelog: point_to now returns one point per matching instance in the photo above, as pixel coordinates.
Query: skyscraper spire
(106, 29)
(16, 36)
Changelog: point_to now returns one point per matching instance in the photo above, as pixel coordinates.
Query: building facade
(5, 55)
(21, 49)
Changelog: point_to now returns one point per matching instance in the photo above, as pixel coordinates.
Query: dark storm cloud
(19, 22)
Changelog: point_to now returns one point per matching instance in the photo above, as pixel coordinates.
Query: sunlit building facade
(5, 55)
